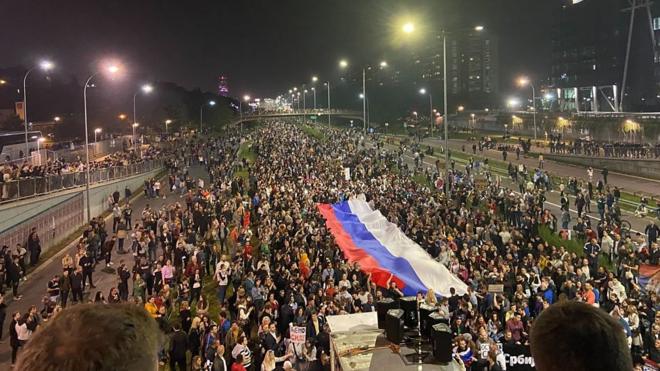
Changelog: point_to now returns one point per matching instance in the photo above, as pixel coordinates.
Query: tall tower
(223, 86)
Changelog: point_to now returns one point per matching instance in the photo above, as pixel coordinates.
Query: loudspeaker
(425, 311)
(433, 319)
(441, 339)
(409, 305)
(382, 306)
(394, 325)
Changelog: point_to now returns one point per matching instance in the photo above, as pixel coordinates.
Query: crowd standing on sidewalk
(227, 267)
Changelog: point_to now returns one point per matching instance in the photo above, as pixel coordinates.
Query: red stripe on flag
(355, 254)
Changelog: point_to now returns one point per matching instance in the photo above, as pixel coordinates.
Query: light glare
(408, 27)
(46, 65)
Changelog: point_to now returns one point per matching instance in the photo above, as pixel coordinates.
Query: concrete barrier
(14, 213)
(639, 167)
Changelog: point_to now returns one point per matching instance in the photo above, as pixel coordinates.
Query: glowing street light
(246, 98)
(343, 63)
(315, 79)
(513, 102)
(111, 71)
(122, 116)
(39, 141)
(97, 131)
(57, 118)
(460, 108)
(524, 81)
(146, 89)
(167, 123)
(422, 91)
(314, 95)
(201, 113)
(409, 28)
(3, 82)
(134, 126)
(383, 64)
(46, 66)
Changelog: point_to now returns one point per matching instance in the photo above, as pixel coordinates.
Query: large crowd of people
(60, 173)
(231, 264)
(604, 149)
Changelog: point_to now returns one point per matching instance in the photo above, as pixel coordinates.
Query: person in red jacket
(238, 364)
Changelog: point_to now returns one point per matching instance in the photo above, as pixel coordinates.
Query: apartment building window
(656, 23)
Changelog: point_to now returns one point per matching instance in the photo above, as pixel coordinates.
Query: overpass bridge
(321, 114)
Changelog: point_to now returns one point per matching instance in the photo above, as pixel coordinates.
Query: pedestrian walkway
(34, 289)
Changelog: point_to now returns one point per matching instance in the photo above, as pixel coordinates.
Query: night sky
(264, 47)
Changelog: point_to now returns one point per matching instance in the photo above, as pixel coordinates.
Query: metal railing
(32, 187)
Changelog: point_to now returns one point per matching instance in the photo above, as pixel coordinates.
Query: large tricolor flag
(381, 248)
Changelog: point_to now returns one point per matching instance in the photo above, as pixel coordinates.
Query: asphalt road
(628, 183)
(552, 203)
(34, 289)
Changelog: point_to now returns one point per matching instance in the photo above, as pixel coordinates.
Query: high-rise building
(590, 39)
(223, 86)
(472, 67)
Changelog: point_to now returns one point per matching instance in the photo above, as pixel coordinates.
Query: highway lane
(552, 203)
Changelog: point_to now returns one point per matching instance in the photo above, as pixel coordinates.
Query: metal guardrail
(31, 187)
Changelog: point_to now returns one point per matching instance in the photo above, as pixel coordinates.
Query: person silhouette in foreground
(573, 335)
(98, 337)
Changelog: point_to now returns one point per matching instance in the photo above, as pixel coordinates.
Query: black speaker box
(441, 339)
(394, 325)
(425, 311)
(433, 319)
(409, 305)
(382, 306)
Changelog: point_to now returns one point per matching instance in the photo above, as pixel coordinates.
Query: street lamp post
(135, 125)
(304, 104)
(146, 89)
(525, 81)
(201, 114)
(167, 124)
(328, 84)
(111, 70)
(96, 131)
(343, 64)
(445, 122)
(240, 108)
(44, 65)
(409, 28)
(364, 101)
(423, 91)
(314, 92)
